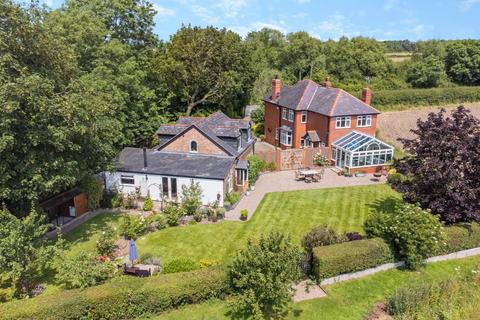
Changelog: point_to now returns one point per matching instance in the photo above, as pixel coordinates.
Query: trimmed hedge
(123, 298)
(462, 236)
(336, 259)
(385, 100)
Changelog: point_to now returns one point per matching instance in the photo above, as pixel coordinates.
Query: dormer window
(193, 146)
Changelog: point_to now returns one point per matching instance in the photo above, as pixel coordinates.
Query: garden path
(279, 181)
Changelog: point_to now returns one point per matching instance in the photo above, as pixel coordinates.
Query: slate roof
(213, 127)
(242, 164)
(310, 96)
(175, 164)
(312, 134)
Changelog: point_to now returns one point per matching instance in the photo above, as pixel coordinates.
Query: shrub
(180, 265)
(117, 200)
(206, 263)
(106, 243)
(271, 166)
(191, 197)
(172, 213)
(262, 275)
(123, 298)
(353, 236)
(336, 259)
(148, 203)
(414, 233)
(198, 216)
(157, 222)
(84, 270)
(395, 178)
(461, 236)
(399, 99)
(232, 197)
(255, 166)
(93, 189)
(243, 214)
(321, 236)
(132, 227)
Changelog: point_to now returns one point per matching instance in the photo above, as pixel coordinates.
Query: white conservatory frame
(359, 150)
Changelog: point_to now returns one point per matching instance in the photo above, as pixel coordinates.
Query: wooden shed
(65, 206)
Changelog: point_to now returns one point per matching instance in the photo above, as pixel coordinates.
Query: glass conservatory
(358, 150)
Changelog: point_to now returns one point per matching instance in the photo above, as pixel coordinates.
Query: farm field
(350, 300)
(397, 124)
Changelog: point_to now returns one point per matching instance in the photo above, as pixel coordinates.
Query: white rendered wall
(152, 183)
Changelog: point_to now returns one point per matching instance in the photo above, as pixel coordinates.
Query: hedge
(385, 100)
(461, 236)
(124, 298)
(336, 259)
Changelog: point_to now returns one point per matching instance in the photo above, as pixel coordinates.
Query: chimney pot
(327, 83)
(367, 95)
(276, 87)
(145, 163)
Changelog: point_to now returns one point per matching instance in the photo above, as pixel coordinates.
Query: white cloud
(418, 29)
(467, 4)
(162, 11)
(231, 7)
(205, 13)
(334, 27)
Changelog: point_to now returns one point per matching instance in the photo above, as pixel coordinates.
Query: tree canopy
(442, 165)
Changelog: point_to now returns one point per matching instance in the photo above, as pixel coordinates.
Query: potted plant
(243, 214)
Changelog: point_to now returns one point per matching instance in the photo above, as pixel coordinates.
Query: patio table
(309, 172)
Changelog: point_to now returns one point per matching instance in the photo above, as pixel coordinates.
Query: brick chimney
(276, 86)
(327, 83)
(367, 95)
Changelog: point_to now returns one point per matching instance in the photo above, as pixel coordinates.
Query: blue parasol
(132, 252)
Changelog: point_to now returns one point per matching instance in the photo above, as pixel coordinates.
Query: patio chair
(299, 176)
(308, 179)
(316, 177)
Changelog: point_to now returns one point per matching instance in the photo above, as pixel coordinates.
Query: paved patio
(279, 181)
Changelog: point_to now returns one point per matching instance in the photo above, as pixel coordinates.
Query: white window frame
(128, 177)
(286, 138)
(291, 115)
(284, 113)
(364, 121)
(303, 118)
(347, 122)
(303, 143)
(277, 133)
(190, 146)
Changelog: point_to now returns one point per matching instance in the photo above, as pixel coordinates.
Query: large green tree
(25, 255)
(426, 72)
(57, 124)
(207, 68)
(463, 62)
(262, 276)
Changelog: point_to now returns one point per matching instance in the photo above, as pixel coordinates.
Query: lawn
(347, 300)
(293, 212)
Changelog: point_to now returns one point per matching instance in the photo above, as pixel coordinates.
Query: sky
(383, 20)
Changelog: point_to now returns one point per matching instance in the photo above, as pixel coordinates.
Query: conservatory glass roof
(357, 141)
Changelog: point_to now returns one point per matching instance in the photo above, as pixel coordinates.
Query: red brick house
(308, 114)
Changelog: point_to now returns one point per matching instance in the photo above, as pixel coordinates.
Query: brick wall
(205, 145)
(272, 116)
